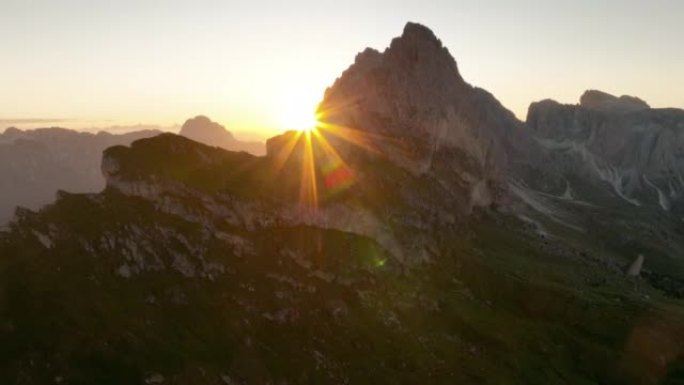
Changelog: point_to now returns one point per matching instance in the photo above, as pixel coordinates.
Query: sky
(260, 66)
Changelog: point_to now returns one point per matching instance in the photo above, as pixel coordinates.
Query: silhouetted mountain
(203, 130)
(421, 235)
(34, 164)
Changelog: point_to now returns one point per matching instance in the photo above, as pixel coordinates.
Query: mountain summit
(204, 130)
(412, 99)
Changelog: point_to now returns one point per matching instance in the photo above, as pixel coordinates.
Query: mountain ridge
(42, 161)
(37, 163)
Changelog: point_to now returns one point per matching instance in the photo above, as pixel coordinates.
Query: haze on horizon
(261, 67)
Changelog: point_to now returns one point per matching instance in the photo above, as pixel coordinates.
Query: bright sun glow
(323, 172)
(299, 119)
(298, 112)
(308, 128)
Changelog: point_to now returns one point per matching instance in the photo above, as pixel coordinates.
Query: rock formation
(635, 268)
(619, 143)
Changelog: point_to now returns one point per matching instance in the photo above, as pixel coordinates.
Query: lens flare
(308, 192)
(323, 172)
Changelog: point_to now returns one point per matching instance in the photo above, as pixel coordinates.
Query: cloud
(13, 122)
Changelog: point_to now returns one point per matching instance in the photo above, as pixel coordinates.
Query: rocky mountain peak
(12, 131)
(599, 100)
(419, 32)
(368, 55)
(418, 48)
(414, 72)
(204, 130)
(412, 100)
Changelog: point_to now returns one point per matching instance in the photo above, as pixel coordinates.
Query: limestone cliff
(635, 150)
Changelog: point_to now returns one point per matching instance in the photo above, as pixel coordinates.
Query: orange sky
(260, 68)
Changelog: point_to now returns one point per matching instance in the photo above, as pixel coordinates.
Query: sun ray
(353, 136)
(308, 188)
(327, 148)
(323, 170)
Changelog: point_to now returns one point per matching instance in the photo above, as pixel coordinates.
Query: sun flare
(298, 113)
(323, 173)
(308, 128)
(296, 119)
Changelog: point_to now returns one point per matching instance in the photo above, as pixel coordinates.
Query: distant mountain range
(35, 164)
(422, 235)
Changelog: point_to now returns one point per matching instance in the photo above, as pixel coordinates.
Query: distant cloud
(13, 122)
(134, 127)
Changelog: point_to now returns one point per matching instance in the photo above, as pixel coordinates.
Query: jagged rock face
(415, 105)
(34, 164)
(204, 130)
(637, 151)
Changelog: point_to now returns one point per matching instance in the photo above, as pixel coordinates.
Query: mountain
(634, 149)
(419, 235)
(609, 171)
(203, 130)
(35, 164)
(427, 118)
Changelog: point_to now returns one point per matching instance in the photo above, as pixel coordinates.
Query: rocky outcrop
(176, 189)
(634, 270)
(204, 130)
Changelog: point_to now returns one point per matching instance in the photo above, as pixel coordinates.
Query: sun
(298, 112)
(323, 171)
(308, 129)
(299, 119)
